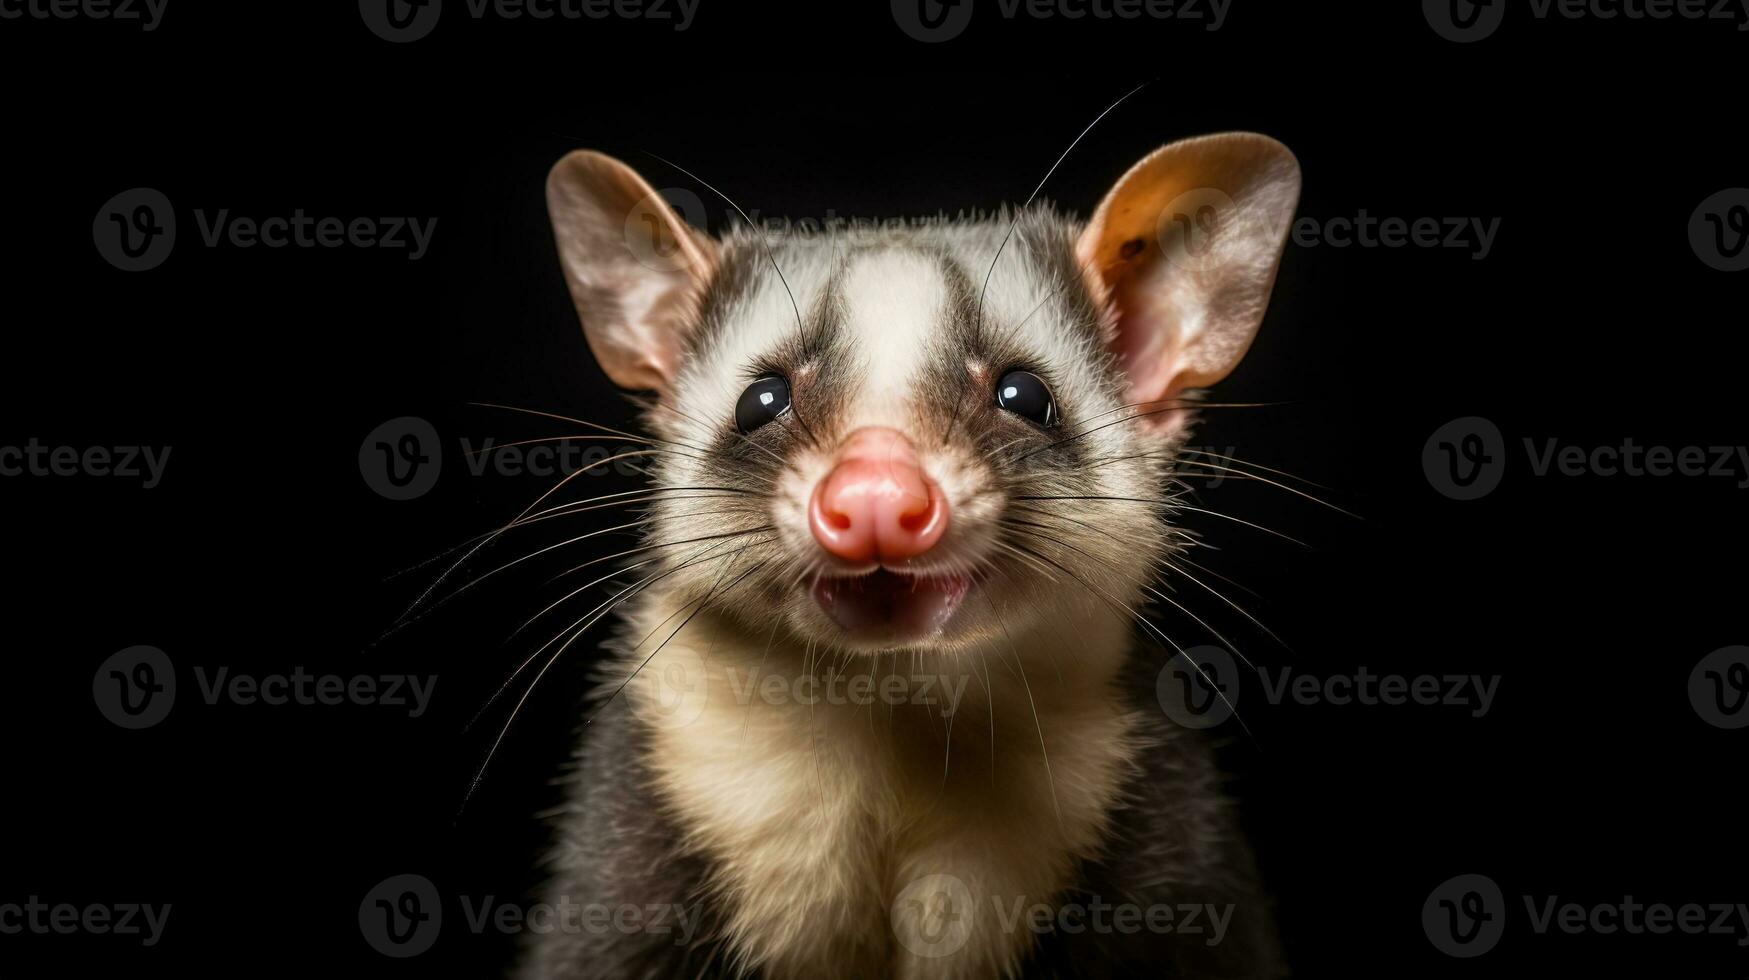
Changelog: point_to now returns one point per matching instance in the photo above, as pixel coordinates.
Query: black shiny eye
(763, 401)
(1026, 395)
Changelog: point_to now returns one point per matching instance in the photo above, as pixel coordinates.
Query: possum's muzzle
(891, 607)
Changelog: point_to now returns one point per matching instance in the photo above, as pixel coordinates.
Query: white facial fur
(897, 342)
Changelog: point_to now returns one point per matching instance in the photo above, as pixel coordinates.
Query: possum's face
(929, 436)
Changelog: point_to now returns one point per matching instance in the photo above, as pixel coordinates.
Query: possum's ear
(1185, 247)
(634, 268)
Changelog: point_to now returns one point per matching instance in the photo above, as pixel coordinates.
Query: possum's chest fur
(825, 796)
(804, 831)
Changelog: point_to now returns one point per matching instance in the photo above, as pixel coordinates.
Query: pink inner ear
(1144, 343)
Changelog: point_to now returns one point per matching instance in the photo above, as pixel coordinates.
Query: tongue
(887, 605)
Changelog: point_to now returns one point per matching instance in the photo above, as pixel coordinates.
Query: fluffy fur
(887, 838)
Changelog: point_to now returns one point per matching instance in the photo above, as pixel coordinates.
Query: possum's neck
(821, 788)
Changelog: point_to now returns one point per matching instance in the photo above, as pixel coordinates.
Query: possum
(879, 702)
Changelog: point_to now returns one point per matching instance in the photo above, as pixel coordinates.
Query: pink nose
(877, 504)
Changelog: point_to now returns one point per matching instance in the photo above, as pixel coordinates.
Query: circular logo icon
(1200, 687)
(1719, 230)
(135, 230)
(932, 21)
(1465, 458)
(1464, 21)
(648, 235)
(400, 21)
(933, 916)
(402, 916)
(1719, 687)
(1190, 225)
(401, 458)
(1465, 916)
(135, 688)
(671, 692)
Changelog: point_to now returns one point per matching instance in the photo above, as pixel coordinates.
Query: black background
(1591, 320)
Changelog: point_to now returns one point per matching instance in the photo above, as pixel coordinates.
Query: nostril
(876, 502)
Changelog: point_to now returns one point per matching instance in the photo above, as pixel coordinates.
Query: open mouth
(886, 606)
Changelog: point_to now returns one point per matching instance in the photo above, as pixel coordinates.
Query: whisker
(1156, 592)
(1167, 502)
(1235, 606)
(481, 773)
(1044, 753)
(1186, 406)
(1020, 212)
(1296, 492)
(595, 615)
(1256, 466)
(1151, 628)
(644, 440)
(801, 330)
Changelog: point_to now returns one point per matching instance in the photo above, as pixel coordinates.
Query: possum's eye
(763, 401)
(1026, 395)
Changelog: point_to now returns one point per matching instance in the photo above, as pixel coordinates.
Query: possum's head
(932, 435)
